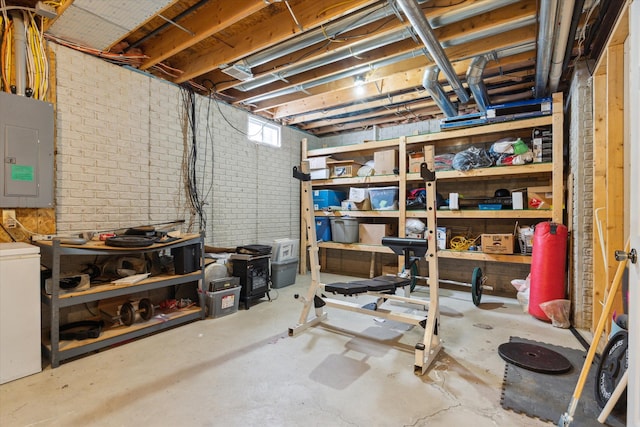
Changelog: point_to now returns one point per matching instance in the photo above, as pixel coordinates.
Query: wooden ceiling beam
(411, 116)
(402, 81)
(476, 25)
(412, 106)
(504, 67)
(279, 27)
(205, 22)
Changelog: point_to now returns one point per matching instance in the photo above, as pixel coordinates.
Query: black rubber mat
(547, 396)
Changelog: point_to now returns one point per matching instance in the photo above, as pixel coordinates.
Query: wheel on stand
(476, 285)
(413, 271)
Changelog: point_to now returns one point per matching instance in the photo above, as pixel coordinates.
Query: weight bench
(381, 284)
(382, 287)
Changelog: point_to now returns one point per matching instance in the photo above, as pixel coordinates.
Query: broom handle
(596, 335)
(617, 392)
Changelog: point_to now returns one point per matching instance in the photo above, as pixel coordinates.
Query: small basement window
(263, 132)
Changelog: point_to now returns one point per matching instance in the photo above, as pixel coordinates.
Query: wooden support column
(608, 172)
(304, 241)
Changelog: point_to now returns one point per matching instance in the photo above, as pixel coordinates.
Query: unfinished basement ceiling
(330, 67)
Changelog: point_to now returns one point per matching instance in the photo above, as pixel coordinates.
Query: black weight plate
(146, 309)
(476, 286)
(127, 314)
(613, 364)
(130, 241)
(535, 358)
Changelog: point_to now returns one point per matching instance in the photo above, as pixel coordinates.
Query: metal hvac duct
(561, 40)
(337, 55)
(474, 80)
(545, 44)
(421, 25)
(437, 93)
(360, 19)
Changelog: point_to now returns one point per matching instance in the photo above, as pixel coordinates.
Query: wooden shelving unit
(477, 180)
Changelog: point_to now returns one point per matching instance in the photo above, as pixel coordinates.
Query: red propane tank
(548, 260)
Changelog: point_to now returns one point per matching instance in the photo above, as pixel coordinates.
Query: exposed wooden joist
(463, 29)
(268, 32)
(504, 66)
(404, 80)
(413, 106)
(205, 22)
(411, 115)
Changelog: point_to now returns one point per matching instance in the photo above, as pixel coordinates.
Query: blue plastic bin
(323, 228)
(325, 198)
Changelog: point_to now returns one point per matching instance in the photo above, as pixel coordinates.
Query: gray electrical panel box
(26, 144)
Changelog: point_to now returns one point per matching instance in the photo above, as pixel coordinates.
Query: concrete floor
(244, 370)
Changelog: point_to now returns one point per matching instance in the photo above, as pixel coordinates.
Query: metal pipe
(357, 20)
(545, 44)
(577, 13)
(476, 85)
(335, 56)
(20, 52)
(421, 25)
(431, 84)
(167, 24)
(371, 67)
(561, 37)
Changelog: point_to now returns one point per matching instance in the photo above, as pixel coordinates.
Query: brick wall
(377, 133)
(122, 141)
(581, 167)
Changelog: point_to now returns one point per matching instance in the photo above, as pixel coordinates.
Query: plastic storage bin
(344, 230)
(325, 198)
(323, 229)
(384, 198)
(283, 273)
(221, 303)
(285, 250)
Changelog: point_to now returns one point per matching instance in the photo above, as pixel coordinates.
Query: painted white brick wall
(581, 167)
(122, 140)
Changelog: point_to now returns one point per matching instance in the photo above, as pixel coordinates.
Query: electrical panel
(26, 144)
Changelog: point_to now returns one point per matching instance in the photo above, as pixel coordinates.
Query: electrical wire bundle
(196, 201)
(37, 65)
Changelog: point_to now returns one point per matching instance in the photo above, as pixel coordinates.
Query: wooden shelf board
(97, 289)
(478, 213)
(482, 130)
(359, 214)
(481, 256)
(359, 180)
(355, 247)
(492, 172)
(113, 332)
(367, 146)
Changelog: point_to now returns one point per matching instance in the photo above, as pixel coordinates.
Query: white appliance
(20, 353)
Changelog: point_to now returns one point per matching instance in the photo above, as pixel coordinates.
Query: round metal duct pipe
(421, 26)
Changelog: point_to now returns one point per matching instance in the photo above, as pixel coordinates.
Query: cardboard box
(539, 197)
(372, 234)
(497, 243)
(343, 168)
(385, 161)
(318, 162)
(320, 173)
(358, 200)
(415, 160)
(442, 237)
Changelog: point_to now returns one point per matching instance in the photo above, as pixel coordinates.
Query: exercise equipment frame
(427, 349)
